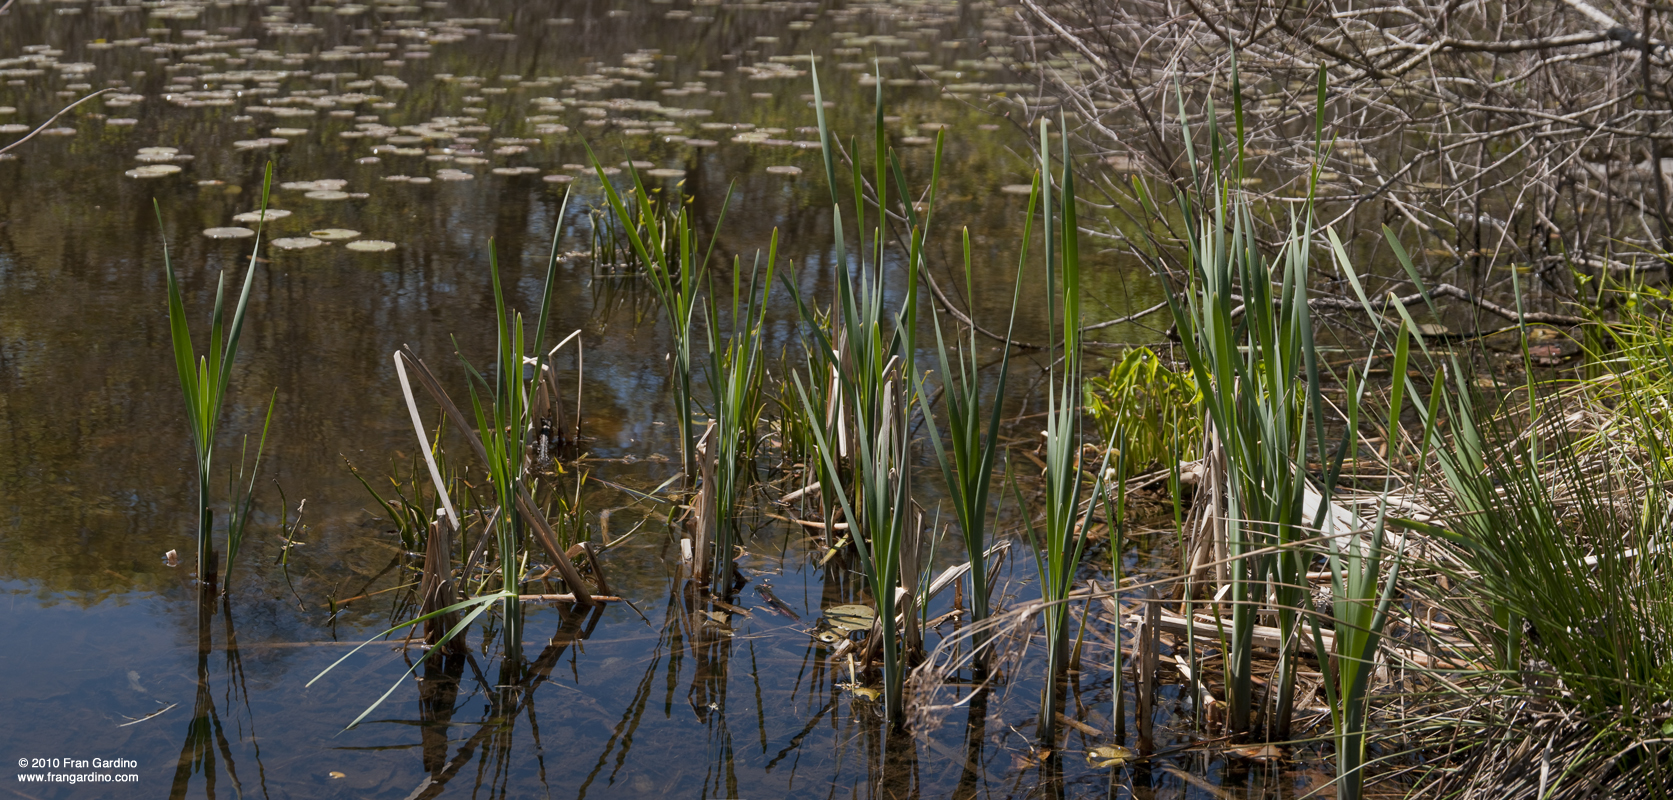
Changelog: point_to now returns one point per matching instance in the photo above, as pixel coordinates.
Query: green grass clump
(736, 371)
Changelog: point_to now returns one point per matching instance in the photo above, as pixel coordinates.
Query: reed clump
(204, 381)
(509, 433)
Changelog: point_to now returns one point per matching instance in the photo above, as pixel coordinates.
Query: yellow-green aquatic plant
(1154, 405)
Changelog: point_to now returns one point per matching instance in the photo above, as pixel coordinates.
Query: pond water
(412, 137)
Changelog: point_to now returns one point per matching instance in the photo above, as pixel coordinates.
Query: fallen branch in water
(54, 117)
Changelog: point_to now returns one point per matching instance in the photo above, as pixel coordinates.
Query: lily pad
(257, 216)
(327, 184)
(326, 194)
(784, 169)
(370, 246)
(259, 144)
(229, 233)
(297, 243)
(152, 171)
(334, 234)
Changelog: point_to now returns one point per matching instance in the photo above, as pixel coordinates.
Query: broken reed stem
(436, 587)
(570, 598)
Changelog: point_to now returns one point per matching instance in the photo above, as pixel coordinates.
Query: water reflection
(698, 700)
(206, 751)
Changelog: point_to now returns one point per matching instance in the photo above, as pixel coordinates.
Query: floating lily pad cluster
(157, 162)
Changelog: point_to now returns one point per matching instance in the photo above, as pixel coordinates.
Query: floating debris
(334, 234)
(1108, 755)
(849, 617)
(841, 621)
(152, 171)
(229, 233)
(370, 246)
(297, 243)
(1265, 752)
(257, 216)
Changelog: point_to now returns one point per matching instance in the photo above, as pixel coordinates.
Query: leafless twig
(52, 119)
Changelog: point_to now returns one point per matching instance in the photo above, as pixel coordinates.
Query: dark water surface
(95, 475)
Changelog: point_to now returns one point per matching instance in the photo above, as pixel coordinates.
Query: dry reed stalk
(1148, 641)
(436, 587)
(703, 512)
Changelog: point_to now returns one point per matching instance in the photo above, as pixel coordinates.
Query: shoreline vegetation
(1450, 582)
